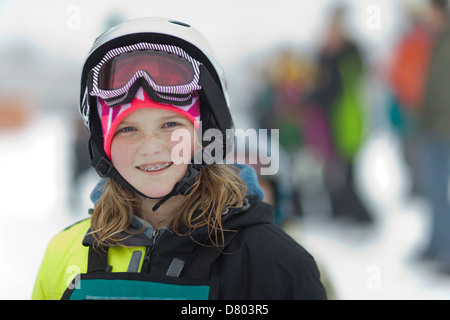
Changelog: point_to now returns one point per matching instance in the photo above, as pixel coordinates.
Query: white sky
(234, 27)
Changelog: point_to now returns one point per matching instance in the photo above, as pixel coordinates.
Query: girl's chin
(156, 193)
(158, 186)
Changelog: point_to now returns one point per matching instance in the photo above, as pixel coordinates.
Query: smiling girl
(163, 225)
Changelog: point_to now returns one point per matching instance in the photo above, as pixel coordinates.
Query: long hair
(216, 189)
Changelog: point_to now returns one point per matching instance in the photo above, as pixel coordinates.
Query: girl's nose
(150, 144)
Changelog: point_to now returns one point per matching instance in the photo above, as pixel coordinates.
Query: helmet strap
(183, 187)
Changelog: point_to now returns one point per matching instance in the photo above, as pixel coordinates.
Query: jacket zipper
(148, 251)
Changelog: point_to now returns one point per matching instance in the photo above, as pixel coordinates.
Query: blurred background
(358, 90)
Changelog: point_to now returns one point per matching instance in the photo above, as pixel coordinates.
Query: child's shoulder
(64, 257)
(73, 234)
(80, 224)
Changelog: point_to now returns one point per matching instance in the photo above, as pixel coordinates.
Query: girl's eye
(126, 129)
(170, 124)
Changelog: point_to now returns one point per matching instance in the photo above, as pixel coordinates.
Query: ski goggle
(167, 73)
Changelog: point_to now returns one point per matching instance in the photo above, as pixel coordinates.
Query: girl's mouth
(155, 167)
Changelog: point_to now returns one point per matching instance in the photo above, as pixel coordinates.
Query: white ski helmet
(129, 35)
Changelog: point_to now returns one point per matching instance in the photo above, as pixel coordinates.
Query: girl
(169, 222)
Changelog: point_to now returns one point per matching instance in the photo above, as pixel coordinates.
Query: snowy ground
(373, 263)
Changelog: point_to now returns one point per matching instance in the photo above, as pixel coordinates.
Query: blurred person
(407, 73)
(338, 98)
(164, 227)
(435, 146)
(277, 188)
(279, 104)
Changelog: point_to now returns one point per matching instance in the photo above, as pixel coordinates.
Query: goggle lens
(165, 69)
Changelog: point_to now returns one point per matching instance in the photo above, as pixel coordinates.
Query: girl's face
(143, 152)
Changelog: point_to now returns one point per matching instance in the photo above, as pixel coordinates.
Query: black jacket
(261, 262)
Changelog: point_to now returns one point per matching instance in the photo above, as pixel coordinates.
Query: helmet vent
(180, 23)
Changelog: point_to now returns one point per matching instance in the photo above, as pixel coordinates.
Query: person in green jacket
(338, 96)
(170, 220)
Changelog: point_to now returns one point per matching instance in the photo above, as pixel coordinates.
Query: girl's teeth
(156, 167)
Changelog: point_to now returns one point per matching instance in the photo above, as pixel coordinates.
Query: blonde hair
(216, 189)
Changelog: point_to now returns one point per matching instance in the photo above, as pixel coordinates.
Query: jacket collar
(138, 235)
